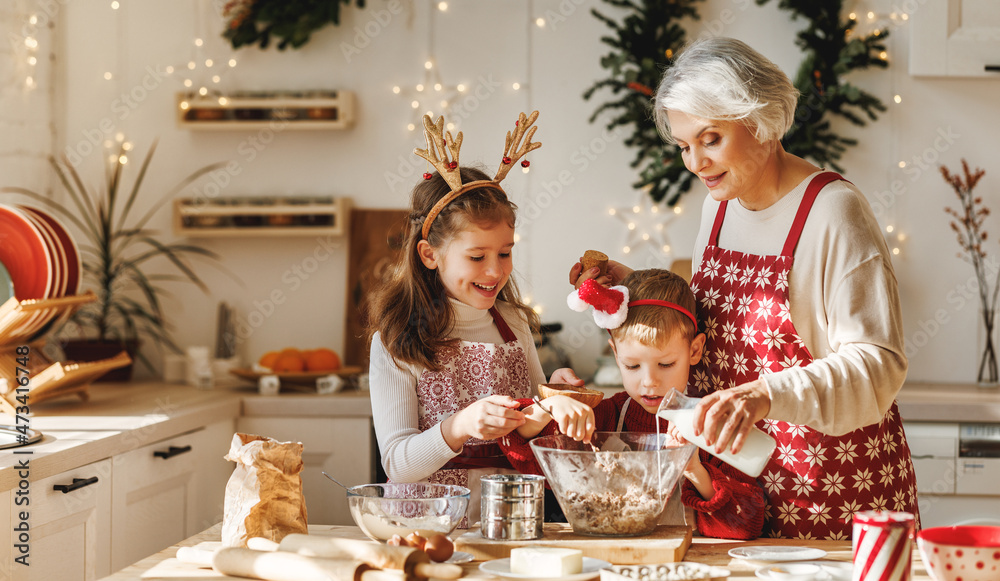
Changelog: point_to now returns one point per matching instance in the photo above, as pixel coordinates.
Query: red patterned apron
(814, 482)
(470, 372)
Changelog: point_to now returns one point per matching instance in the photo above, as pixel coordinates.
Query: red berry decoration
(506, 160)
(427, 176)
(452, 165)
(525, 163)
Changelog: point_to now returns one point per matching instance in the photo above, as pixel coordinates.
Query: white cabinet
(212, 475)
(167, 491)
(70, 519)
(955, 38)
(341, 446)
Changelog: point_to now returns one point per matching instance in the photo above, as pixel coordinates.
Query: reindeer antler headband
(440, 143)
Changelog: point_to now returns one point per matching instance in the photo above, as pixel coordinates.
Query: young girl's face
(649, 373)
(475, 264)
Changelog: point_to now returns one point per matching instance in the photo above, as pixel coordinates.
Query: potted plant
(115, 251)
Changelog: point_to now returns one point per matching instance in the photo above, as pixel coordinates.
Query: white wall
(489, 45)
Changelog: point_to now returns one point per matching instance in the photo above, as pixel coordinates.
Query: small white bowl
(793, 572)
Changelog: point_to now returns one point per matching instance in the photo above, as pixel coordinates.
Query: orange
(323, 359)
(289, 361)
(267, 360)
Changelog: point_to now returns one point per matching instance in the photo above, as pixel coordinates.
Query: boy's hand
(674, 438)
(575, 419)
(616, 273)
(566, 375)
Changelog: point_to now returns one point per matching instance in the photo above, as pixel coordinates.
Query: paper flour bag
(264, 494)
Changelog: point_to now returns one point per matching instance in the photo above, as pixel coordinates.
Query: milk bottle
(678, 409)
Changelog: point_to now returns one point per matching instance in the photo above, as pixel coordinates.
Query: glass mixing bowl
(621, 489)
(383, 510)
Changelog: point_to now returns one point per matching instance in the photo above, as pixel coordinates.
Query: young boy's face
(649, 373)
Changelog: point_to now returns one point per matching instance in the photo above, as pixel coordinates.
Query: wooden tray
(302, 378)
(666, 544)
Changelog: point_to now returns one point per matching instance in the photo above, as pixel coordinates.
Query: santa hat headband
(611, 304)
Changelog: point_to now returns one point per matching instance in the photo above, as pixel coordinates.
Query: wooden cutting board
(667, 544)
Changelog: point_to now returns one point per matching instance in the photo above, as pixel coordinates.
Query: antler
(510, 156)
(438, 148)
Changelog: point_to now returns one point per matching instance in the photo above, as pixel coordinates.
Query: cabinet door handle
(77, 483)
(171, 452)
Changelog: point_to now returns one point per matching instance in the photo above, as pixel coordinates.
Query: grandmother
(797, 297)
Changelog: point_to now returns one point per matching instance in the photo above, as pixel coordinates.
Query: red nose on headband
(668, 304)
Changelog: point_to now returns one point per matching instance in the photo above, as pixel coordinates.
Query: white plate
(829, 571)
(776, 553)
(501, 568)
(460, 557)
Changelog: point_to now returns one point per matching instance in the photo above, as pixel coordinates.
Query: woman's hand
(726, 416)
(616, 273)
(487, 419)
(566, 375)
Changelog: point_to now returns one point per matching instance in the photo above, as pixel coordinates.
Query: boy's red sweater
(736, 511)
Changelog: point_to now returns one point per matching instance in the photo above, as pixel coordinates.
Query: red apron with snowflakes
(468, 373)
(814, 482)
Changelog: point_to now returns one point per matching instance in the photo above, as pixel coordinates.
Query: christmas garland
(648, 37)
(291, 21)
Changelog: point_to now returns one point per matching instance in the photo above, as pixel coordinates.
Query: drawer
(977, 476)
(935, 475)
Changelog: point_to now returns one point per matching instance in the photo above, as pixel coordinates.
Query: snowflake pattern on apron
(814, 482)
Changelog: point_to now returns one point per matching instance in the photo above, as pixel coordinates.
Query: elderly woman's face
(723, 154)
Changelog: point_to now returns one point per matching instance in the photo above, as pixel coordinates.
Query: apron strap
(713, 239)
(815, 185)
(502, 326)
(621, 416)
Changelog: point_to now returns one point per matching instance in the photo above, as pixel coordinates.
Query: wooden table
(163, 565)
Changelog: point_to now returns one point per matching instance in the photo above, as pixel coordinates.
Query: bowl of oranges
(293, 365)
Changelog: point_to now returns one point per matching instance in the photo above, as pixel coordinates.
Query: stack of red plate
(40, 256)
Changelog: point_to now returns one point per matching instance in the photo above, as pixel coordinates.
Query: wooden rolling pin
(283, 566)
(410, 560)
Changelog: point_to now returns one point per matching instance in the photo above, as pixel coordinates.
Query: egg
(439, 548)
(416, 541)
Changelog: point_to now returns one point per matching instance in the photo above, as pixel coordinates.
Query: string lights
(646, 224)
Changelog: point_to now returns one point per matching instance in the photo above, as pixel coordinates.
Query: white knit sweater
(409, 455)
(843, 299)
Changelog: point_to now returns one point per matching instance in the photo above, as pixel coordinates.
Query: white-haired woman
(797, 296)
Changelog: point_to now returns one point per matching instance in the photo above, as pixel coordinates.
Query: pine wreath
(292, 22)
(650, 34)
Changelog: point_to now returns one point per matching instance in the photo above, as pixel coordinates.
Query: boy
(655, 339)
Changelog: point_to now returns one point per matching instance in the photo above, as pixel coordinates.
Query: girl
(655, 340)
(452, 349)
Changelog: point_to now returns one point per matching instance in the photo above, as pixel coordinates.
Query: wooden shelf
(232, 217)
(324, 110)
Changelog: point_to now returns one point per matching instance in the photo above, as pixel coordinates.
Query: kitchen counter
(163, 565)
(949, 402)
(122, 417)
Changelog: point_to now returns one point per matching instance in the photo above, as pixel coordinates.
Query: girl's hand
(726, 416)
(487, 419)
(566, 375)
(575, 419)
(616, 273)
